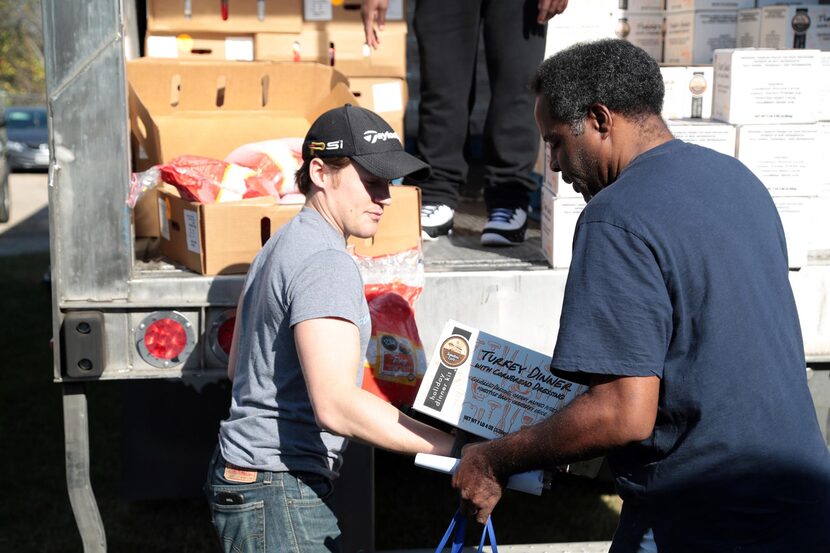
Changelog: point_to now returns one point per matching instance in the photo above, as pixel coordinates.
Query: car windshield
(26, 118)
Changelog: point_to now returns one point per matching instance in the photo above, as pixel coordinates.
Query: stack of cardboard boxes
(696, 28)
(772, 98)
(324, 32)
(637, 21)
(768, 109)
(216, 92)
(776, 25)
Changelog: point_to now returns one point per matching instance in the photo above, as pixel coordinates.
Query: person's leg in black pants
(447, 33)
(515, 46)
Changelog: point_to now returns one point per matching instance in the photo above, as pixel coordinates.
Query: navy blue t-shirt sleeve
(617, 315)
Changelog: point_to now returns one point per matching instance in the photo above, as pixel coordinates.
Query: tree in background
(22, 77)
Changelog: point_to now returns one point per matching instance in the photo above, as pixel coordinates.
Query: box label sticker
(317, 10)
(162, 47)
(239, 48)
(191, 227)
(388, 97)
(164, 224)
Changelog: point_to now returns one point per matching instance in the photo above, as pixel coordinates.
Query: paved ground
(28, 228)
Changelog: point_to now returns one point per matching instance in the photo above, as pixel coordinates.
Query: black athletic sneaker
(436, 220)
(505, 227)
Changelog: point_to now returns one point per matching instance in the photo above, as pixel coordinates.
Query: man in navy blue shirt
(679, 313)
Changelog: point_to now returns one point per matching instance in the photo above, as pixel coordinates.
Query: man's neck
(640, 137)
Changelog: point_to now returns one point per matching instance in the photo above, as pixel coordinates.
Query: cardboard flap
(209, 108)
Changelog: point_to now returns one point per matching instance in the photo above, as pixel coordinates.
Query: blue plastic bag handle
(490, 533)
(459, 525)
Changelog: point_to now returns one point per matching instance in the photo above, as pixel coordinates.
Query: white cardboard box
(489, 386)
(795, 27)
(823, 188)
(640, 5)
(715, 135)
(824, 87)
(786, 158)
(687, 5)
(597, 19)
(793, 212)
(749, 28)
(688, 92)
(766, 86)
(559, 217)
(693, 36)
(763, 3)
(818, 224)
(643, 29)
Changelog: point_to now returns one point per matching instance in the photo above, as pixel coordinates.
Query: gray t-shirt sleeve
(327, 285)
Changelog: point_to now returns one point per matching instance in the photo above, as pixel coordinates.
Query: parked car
(28, 137)
(5, 202)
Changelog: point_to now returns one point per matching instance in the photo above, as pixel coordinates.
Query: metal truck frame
(102, 296)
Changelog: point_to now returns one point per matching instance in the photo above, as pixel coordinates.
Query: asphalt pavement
(28, 228)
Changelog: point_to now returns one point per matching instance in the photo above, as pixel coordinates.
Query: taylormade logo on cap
(373, 136)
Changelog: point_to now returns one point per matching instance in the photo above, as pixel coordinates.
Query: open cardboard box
(215, 239)
(210, 108)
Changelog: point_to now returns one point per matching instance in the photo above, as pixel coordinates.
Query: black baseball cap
(365, 138)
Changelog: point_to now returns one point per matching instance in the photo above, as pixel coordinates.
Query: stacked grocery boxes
(332, 33)
(781, 25)
(696, 28)
(318, 31)
(214, 30)
(637, 21)
(772, 99)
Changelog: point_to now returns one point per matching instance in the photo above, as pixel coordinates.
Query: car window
(25, 119)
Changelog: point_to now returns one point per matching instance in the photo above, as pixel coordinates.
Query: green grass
(413, 506)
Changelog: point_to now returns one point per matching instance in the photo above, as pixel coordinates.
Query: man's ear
(601, 118)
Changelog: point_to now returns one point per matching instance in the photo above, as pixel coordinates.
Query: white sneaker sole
(493, 239)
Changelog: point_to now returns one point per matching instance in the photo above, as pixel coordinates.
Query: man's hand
(549, 8)
(477, 482)
(375, 11)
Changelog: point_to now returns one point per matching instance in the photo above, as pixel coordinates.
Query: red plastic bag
(207, 180)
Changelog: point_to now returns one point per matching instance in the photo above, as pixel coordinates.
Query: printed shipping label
(488, 386)
(191, 227)
(164, 223)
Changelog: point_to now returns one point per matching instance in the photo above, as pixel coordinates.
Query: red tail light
(221, 334)
(165, 338)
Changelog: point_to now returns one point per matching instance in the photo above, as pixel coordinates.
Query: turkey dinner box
(489, 386)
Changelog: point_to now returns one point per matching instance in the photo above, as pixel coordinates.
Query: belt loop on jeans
(267, 476)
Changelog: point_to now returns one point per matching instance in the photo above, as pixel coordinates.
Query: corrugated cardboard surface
(202, 108)
(190, 107)
(351, 55)
(386, 96)
(216, 239)
(283, 16)
(200, 46)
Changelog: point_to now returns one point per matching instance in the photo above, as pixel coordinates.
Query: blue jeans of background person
(285, 512)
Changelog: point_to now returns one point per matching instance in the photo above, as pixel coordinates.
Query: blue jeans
(285, 512)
